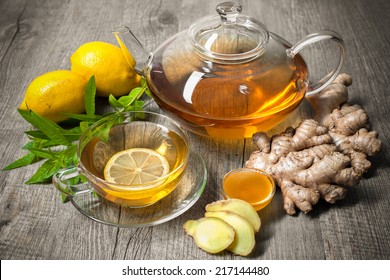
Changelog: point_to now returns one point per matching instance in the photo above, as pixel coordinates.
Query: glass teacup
(129, 132)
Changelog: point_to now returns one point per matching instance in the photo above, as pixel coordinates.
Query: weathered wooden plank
(11, 12)
(41, 36)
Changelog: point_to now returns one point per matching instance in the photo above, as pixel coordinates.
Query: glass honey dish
(251, 185)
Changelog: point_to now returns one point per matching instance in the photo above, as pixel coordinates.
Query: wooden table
(38, 36)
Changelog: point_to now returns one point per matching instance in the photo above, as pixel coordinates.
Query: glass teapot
(227, 76)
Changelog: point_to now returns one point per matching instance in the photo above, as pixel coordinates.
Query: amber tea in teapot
(240, 101)
(227, 76)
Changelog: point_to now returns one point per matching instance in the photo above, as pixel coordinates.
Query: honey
(251, 185)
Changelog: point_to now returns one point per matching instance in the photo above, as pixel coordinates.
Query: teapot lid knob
(228, 11)
(228, 37)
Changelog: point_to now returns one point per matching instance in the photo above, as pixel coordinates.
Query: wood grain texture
(38, 36)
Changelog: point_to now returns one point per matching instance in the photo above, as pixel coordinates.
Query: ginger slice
(211, 234)
(239, 207)
(244, 241)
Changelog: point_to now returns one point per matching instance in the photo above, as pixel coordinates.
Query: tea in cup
(132, 159)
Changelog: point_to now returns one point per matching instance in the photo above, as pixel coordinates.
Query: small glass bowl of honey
(251, 185)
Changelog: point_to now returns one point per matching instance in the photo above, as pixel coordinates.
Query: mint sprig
(56, 146)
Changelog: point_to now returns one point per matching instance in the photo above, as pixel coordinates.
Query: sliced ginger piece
(244, 241)
(212, 235)
(239, 207)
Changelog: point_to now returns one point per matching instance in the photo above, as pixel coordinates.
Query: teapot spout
(136, 55)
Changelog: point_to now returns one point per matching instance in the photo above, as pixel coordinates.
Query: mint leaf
(89, 97)
(134, 95)
(68, 155)
(145, 86)
(39, 143)
(55, 162)
(45, 172)
(70, 134)
(148, 92)
(84, 126)
(64, 198)
(43, 153)
(114, 102)
(49, 128)
(37, 134)
(83, 117)
(131, 97)
(138, 106)
(102, 129)
(144, 83)
(28, 159)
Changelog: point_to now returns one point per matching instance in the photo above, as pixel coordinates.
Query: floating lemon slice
(135, 166)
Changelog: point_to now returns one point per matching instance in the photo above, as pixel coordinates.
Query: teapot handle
(313, 38)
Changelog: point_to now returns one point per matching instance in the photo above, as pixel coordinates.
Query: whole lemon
(113, 74)
(55, 92)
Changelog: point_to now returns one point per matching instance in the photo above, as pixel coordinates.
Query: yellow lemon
(113, 73)
(136, 166)
(55, 92)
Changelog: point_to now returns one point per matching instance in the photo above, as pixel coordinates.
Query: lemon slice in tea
(136, 166)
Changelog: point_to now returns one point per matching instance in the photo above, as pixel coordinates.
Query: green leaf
(102, 129)
(114, 102)
(30, 158)
(134, 95)
(40, 143)
(37, 134)
(45, 172)
(145, 86)
(72, 134)
(64, 198)
(89, 97)
(75, 180)
(144, 83)
(68, 153)
(84, 126)
(137, 106)
(43, 153)
(148, 93)
(83, 117)
(49, 128)
(30, 144)
(51, 166)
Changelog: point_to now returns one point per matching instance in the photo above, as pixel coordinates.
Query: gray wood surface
(38, 36)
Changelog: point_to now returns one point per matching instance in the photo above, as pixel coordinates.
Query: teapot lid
(229, 37)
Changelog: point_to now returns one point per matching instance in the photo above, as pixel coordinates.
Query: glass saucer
(176, 203)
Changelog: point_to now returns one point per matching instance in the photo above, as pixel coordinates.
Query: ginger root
(322, 156)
